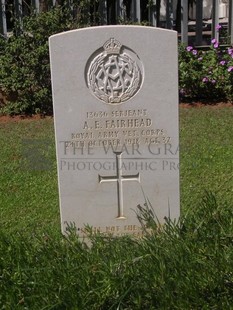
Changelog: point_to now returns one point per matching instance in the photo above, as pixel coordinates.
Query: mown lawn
(184, 266)
(206, 140)
(29, 194)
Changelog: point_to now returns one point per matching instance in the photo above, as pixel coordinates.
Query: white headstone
(115, 94)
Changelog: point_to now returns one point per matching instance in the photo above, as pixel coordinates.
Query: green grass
(28, 195)
(206, 148)
(185, 266)
(29, 198)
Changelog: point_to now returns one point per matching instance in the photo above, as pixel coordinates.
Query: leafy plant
(206, 74)
(24, 59)
(25, 69)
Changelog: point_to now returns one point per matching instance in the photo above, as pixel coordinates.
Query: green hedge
(24, 61)
(25, 74)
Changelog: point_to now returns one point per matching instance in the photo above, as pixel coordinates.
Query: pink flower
(215, 43)
(230, 51)
(205, 80)
(200, 59)
(194, 52)
(230, 69)
(222, 62)
(218, 27)
(189, 48)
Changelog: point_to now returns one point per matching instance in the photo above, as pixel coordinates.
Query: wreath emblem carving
(112, 76)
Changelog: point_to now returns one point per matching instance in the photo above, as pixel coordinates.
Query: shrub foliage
(24, 60)
(206, 75)
(25, 73)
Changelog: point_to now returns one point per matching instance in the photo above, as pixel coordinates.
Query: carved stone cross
(119, 178)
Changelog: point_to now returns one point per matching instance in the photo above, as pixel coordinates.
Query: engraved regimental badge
(115, 74)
